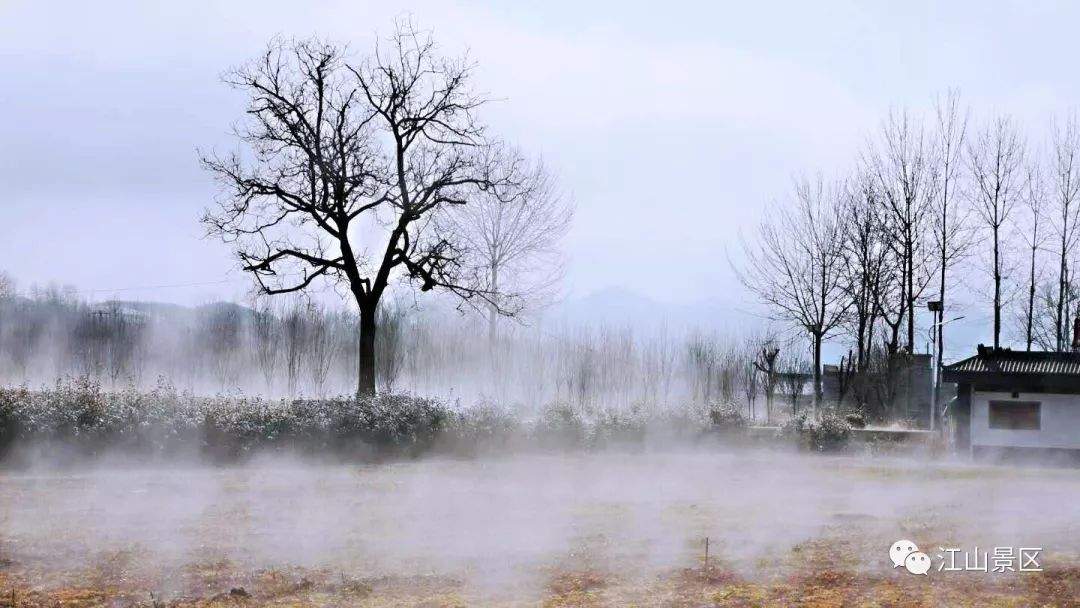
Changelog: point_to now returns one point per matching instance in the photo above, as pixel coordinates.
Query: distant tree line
(296, 348)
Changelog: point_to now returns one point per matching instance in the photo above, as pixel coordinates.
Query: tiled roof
(1003, 361)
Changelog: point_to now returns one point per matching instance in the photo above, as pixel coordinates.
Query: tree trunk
(1031, 299)
(817, 373)
(1058, 319)
(861, 347)
(940, 346)
(770, 391)
(997, 292)
(910, 290)
(493, 312)
(365, 382)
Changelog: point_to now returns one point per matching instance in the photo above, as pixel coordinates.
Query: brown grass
(828, 588)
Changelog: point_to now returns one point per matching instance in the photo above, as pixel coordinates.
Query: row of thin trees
(284, 348)
(939, 207)
(301, 349)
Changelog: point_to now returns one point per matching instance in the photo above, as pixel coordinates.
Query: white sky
(670, 126)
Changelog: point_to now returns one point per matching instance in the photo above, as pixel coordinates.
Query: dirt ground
(585, 530)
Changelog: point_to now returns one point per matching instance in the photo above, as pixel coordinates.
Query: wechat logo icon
(906, 553)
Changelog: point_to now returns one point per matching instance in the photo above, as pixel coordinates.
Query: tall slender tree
(950, 219)
(1065, 201)
(996, 158)
(1034, 197)
(902, 168)
(866, 261)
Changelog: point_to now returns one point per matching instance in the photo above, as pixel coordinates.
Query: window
(1015, 415)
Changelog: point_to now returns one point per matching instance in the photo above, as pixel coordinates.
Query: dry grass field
(603, 529)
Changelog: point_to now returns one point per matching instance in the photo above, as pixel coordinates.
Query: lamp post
(936, 307)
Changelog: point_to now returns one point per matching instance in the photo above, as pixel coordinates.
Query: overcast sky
(671, 124)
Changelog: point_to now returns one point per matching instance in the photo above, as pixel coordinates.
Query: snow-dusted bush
(726, 417)
(79, 413)
(87, 420)
(559, 426)
(829, 434)
(615, 428)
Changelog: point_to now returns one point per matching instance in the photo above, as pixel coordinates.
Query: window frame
(1012, 419)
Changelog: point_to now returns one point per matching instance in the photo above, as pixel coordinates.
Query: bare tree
(705, 356)
(950, 220)
(750, 378)
(266, 334)
(765, 361)
(390, 345)
(221, 329)
(796, 266)
(1034, 198)
(793, 381)
(515, 241)
(906, 180)
(1065, 199)
(866, 260)
(348, 167)
(996, 159)
(7, 292)
(7, 286)
(296, 345)
(322, 345)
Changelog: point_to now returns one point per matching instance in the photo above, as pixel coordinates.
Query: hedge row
(86, 420)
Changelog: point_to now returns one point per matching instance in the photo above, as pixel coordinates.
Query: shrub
(856, 420)
(78, 413)
(559, 426)
(612, 428)
(484, 426)
(85, 420)
(829, 434)
(726, 417)
(401, 421)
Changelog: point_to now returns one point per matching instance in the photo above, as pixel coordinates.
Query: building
(903, 395)
(1012, 403)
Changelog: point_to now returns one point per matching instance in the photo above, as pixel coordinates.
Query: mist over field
(368, 304)
(516, 530)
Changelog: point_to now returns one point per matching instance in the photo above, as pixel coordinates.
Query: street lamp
(937, 308)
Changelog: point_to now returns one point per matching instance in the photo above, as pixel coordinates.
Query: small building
(1015, 403)
(903, 397)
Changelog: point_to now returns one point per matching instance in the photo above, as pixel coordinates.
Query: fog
(301, 348)
(501, 528)
(740, 413)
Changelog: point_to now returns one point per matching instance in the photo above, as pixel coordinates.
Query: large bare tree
(347, 167)
(516, 240)
(997, 168)
(796, 266)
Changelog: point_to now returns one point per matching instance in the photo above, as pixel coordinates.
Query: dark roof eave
(1066, 382)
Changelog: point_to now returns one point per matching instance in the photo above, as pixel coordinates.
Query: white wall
(1060, 422)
